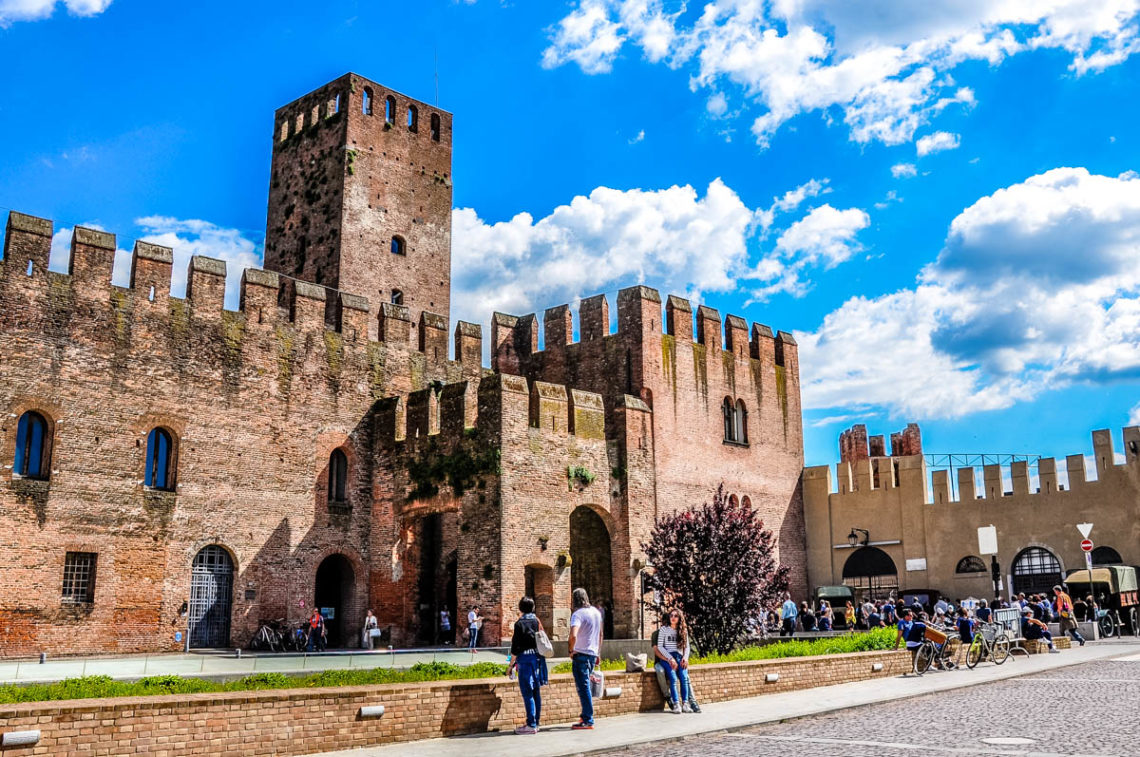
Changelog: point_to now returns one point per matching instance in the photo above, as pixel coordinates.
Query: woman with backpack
(529, 663)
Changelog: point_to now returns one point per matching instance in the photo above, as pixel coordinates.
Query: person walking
(445, 627)
(316, 634)
(1067, 615)
(585, 652)
(530, 665)
(672, 653)
(788, 613)
(367, 638)
(474, 623)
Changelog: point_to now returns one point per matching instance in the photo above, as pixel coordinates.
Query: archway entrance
(211, 597)
(333, 595)
(871, 573)
(1036, 570)
(590, 560)
(540, 587)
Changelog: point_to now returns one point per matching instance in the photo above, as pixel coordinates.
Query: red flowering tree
(715, 562)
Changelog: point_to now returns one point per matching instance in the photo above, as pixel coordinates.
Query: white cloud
(903, 170)
(1134, 415)
(936, 142)
(640, 137)
(1035, 288)
(885, 78)
(680, 241)
(34, 10)
(60, 256)
(193, 237)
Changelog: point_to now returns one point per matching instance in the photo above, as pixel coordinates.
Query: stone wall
(294, 722)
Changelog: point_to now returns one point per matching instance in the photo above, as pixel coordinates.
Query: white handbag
(542, 642)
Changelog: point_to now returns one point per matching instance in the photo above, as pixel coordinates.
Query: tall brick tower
(360, 196)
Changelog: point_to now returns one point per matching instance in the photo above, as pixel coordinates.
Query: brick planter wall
(302, 721)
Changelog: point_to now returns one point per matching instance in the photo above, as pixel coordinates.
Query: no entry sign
(1087, 545)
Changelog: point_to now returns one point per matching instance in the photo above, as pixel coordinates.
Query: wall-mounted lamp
(20, 738)
(372, 711)
(772, 677)
(853, 537)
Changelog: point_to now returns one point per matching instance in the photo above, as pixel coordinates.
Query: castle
(173, 471)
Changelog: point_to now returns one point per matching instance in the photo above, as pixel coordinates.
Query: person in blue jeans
(531, 666)
(585, 652)
(474, 621)
(672, 652)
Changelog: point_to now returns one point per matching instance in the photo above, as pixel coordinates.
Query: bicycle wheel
(1001, 649)
(924, 658)
(975, 652)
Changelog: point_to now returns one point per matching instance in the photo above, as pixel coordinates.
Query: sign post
(1087, 548)
(987, 545)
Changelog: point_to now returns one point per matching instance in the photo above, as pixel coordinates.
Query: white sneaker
(675, 708)
(685, 707)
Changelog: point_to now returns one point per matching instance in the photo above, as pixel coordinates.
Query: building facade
(885, 523)
(171, 469)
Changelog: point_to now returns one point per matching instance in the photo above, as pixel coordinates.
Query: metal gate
(211, 597)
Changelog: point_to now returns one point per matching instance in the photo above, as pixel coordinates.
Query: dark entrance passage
(871, 573)
(333, 595)
(211, 597)
(590, 567)
(429, 600)
(540, 587)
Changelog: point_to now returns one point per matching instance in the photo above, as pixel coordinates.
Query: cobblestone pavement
(1084, 710)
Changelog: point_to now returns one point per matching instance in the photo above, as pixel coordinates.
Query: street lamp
(853, 537)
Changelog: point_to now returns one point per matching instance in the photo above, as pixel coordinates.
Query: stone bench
(1039, 646)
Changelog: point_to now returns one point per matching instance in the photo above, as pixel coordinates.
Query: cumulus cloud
(34, 10)
(681, 241)
(59, 258)
(1035, 288)
(1134, 415)
(936, 142)
(193, 237)
(884, 79)
(903, 170)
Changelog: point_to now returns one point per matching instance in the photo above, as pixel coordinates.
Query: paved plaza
(1080, 702)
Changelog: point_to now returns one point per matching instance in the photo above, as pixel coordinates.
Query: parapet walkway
(626, 730)
(228, 665)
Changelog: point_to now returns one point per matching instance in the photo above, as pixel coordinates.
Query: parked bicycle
(991, 642)
(270, 636)
(939, 648)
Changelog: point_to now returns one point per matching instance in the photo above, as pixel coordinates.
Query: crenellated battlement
(515, 338)
(267, 301)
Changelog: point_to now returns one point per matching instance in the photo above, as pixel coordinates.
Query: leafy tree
(715, 562)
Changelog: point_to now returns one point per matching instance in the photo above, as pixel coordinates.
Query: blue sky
(936, 198)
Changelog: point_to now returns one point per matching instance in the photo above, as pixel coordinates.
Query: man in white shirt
(585, 652)
(474, 621)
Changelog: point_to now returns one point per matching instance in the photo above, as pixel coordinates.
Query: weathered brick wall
(256, 401)
(295, 722)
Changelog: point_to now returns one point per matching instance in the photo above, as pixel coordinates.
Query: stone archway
(540, 587)
(591, 561)
(333, 594)
(871, 573)
(211, 597)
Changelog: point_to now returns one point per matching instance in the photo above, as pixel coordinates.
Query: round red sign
(1087, 545)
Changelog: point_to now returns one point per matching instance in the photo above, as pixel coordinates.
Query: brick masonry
(457, 489)
(303, 721)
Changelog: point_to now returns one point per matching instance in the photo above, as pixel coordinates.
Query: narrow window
(79, 578)
(435, 127)
(338, 477)
(390, 109)
(741, 422)
(31, 446)
(397, 297)
(366, 102)
(31, 268)
(398, 246)
(336, 104)
(159, 455)
(413, 118)
(729, 425)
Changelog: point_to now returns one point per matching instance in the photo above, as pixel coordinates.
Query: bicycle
(941, 647)
(268, 637)
(988, 643)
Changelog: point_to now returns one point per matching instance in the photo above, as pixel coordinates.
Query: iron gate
(211, 597)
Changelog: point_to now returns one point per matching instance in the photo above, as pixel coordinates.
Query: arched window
(397, 297)
(732, 500)
(366, 102)
(1035, 570)
(390, 109)
(729, 420)
(741, 422)
(31, 446)
(435, 127)
(159, 460)
(398, 246)
(746, 501)
(338, 477)
(1106, 556)
(970, 564)
(413, 118)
